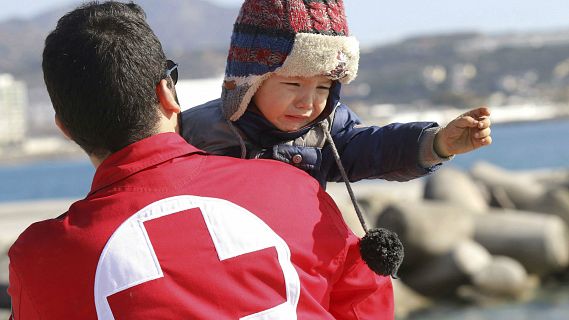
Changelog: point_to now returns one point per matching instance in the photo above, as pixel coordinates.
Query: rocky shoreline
(476, 237)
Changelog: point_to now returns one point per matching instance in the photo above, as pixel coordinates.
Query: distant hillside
(467, 68)
(182, 25)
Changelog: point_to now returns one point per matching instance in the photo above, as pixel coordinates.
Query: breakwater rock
(477, 236)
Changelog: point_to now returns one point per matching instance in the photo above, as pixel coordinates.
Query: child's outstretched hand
(469, 131)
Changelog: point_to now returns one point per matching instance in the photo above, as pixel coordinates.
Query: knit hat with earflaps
(290, 38)
(301, 38)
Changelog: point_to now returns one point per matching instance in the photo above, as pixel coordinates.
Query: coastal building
(13, 104)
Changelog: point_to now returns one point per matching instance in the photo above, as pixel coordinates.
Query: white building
(13, 104)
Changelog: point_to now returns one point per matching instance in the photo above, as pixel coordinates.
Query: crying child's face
(291, 103)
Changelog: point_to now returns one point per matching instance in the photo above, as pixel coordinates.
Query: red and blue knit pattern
(318, 16)
(257, 53)
(265, 30)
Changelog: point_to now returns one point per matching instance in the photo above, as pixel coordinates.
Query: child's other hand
(469, 131)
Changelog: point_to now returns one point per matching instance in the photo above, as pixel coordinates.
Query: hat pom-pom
(382, 250)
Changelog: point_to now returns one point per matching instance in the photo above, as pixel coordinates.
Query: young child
(281, 100)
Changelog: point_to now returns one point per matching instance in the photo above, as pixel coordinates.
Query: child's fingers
(484, 133)
(476, 118)
(466, 121)
(486, 141)
(484, 122)
(479, 113)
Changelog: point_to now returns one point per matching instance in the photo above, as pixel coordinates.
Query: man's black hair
(101, 66)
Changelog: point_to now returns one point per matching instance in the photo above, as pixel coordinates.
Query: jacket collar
(139, 156)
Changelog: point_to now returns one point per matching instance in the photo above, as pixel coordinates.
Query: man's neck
(96, 161)
(164, 125)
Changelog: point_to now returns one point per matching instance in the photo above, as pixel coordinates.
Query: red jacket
(168, 232)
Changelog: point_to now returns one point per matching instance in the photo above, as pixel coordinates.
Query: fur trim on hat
(316, 54)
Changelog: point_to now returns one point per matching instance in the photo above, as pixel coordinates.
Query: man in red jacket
(167, 231)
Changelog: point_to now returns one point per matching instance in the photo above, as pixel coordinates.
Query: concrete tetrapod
(427, 229)
(455, 187)
(538, 241)
(522, 190)
(443, 275)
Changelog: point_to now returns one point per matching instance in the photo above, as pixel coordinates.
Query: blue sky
(377, 21)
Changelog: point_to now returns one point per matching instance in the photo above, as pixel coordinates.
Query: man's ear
(62, 127)
(166, 98)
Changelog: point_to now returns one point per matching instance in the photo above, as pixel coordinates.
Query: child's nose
(305, 101)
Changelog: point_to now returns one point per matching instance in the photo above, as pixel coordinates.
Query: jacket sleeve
(390, 152)
(360, 293)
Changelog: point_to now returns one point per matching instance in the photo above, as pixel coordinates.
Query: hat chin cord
(241, 141)
(380, 248)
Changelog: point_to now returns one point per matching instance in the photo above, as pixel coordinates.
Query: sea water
(516, 146)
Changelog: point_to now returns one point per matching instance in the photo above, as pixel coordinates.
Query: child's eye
(324, 87)
(295, 84)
